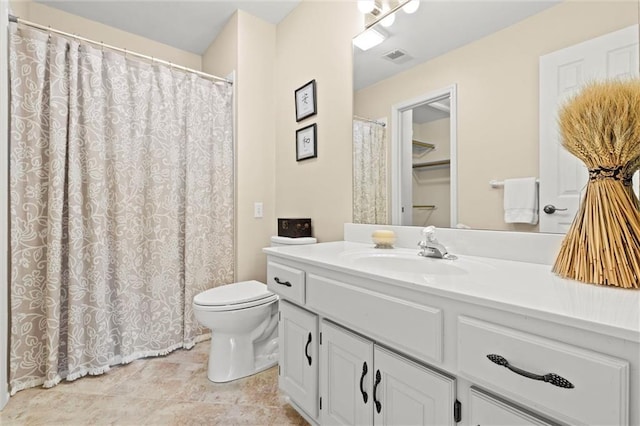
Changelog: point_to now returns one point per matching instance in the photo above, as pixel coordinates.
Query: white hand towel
(521, 200)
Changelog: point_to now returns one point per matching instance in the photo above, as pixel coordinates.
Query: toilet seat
(242, 295)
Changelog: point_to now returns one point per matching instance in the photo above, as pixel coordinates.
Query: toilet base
(233, 358)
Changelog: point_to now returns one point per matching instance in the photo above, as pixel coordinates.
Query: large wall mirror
(467, 92)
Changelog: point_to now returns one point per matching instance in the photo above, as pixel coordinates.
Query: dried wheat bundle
(601, 126)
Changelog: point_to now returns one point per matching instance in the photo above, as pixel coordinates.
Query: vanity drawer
(487, 410)
(286, 281)
(599, 395)
(405, 326)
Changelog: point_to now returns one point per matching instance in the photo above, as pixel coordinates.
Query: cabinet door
(298, 332)
(406, 393)
(486, 410)
(346, 371)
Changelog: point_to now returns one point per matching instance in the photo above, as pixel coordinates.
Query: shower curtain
(369, 173)
(121, 187)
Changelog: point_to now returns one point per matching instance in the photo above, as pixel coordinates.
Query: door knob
(551, 209)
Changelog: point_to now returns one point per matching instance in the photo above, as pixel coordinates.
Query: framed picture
(306, 101)
(306, 143)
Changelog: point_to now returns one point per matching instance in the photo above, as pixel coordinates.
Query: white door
(346, 377)
(562, 73)
(406, 147)
(405, 393)
(298, 332)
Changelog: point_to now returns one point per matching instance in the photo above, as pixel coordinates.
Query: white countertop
(519, 287)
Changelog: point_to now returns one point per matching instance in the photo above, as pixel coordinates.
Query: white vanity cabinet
(352, 380)
(433, 346)
(362, 383)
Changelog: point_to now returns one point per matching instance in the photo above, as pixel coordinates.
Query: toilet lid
(233, 294)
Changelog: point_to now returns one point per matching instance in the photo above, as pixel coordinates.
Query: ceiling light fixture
(411, 7)
(368, 39)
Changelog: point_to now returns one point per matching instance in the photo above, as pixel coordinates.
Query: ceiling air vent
(397, 56)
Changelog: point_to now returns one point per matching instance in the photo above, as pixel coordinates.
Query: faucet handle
(429, 233)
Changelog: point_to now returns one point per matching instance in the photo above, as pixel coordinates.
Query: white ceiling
(436, 28)
(187, 25)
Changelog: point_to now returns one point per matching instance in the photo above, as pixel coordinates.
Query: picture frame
(306, 142)
(305, 97)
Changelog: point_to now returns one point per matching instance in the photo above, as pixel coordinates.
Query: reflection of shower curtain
(369, 173)
(121, 206)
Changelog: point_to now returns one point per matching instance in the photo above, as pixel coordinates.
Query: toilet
(243, 318)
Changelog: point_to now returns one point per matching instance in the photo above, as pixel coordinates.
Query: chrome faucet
(430, 247)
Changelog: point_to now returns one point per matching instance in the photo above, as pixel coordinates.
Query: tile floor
(170, 390)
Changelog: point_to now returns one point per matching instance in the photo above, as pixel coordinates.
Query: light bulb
(389, 20)
(366, 6)
(412, 6)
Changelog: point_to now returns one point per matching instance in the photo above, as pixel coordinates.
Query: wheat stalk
(601, 126)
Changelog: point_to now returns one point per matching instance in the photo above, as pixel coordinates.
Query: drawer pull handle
(306, 349)
(375, 387)
(287, 283)
(552, 378)
(365, 397)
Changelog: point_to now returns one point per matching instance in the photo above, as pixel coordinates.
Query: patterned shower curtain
(121, 187)
(369, 173)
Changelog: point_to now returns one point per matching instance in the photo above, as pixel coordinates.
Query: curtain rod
(370, 120)
(13, 18)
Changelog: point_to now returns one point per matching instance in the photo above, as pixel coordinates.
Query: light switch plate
(257, 210)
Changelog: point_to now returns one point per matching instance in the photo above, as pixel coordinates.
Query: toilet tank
(287, 241)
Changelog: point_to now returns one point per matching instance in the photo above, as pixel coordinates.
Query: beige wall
(48, 16)
(247, 45)
(314, 42)
(256, 143)
(497, 83)
(221, 57)
(431, 185)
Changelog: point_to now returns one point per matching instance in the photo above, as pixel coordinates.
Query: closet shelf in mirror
(431, 164)
(420, 147)
(425, 207)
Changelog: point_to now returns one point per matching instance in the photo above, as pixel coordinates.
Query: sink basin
(405, 261)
